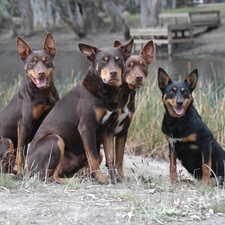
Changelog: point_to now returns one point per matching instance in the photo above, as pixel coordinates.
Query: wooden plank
(210, 18)
(165, 18)
(174, 15)
(164, 35)
(217, 12)
(180, 27)
(205, 18)
(158, 31)
(156, 41)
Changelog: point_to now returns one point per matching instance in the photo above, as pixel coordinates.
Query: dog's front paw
(115, 177)
(204, 182)
(101, 178)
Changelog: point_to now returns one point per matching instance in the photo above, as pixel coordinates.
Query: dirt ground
(146, 198)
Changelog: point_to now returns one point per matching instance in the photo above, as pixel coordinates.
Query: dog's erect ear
(49, 44)
(163, 79)
(148, 51)
(127, 48)
(117, 44)
(88, 50)
(23, 48)
(192, 79)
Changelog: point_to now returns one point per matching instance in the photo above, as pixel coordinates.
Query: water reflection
(65, 64)
(11, 66)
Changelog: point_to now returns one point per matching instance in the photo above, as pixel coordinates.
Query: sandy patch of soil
(146, 198)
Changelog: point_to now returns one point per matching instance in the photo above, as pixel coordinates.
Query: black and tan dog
(67, 139)
(190, 140)
(20, 119)
(135, 75)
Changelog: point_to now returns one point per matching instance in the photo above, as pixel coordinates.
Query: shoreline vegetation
(145, 137)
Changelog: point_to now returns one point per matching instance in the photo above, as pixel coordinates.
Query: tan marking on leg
(95, 168)
(108, 146)
(173, 167)
(206, 170)
(7, 161)
(19, 158)
(11, 159)
(55, 173)
(120, 145)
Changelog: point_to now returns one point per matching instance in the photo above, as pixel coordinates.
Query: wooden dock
(168, 35)
(176, 28)
(210, 19)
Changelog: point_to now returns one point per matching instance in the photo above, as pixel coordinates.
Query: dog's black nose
(41, 73)
(179, 102)
(113, 73)
(139, 78)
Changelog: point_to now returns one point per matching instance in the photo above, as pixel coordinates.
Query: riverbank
(207, 44)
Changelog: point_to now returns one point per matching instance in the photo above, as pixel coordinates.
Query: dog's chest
(106, 117)
(124, 113)
(189, 142)
(173, 141)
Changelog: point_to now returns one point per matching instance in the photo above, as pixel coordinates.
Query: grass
(220, 7)
(145, 136)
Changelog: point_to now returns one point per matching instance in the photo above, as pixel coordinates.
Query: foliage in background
(145, 136)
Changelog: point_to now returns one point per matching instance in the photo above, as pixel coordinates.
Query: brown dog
(66, 140)
(20, 119)
(135, 74)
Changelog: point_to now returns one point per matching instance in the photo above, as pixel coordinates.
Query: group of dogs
(64, 135)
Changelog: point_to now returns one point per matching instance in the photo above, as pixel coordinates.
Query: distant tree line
(82, 16)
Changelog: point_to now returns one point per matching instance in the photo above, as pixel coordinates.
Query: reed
(145, 136)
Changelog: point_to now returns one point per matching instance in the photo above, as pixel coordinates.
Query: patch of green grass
(218, 207)
(220, 7)
(7, 182)
(163, 212)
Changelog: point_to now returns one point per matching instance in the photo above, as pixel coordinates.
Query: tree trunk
(145, 13)
(27, 28)
(89, 10)
(42, 13)
(5, 10)
(150, 10)
(114, 13)
(65, 12)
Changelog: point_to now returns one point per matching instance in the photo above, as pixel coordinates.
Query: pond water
(65, 64)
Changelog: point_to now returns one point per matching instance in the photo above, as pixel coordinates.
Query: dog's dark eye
(185, 93)
(118, 59)
(47, 61)
(105, 59)
(32, 62)
(172, 92)
(142, 64)
(129, 65)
